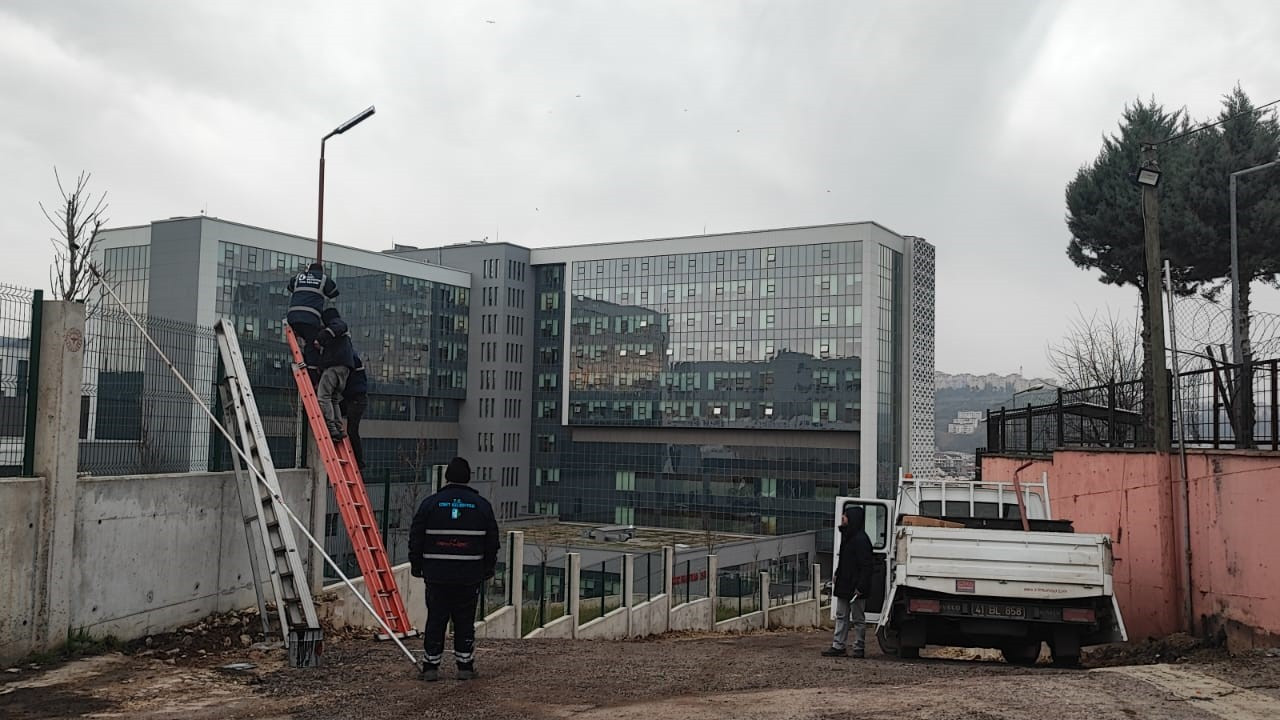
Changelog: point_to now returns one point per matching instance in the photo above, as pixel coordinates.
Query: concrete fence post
(764, 597)
(515, 566)
(817, 595)
(573, 568)
(713, 572)
(629, 589)
(56, 459)
(668, 581)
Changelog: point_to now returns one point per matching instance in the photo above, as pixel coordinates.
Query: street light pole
(320, 204)
(1148, 178)
(1239, 343)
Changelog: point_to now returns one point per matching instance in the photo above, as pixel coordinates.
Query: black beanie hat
(459, 471)
(329, 315)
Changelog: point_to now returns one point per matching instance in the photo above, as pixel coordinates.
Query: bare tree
(78, 218)
(1096, 350)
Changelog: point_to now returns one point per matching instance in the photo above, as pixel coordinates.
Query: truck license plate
(998, 610)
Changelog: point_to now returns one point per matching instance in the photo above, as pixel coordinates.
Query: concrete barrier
(696, 615)
(19, 538)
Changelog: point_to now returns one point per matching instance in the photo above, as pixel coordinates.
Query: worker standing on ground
(337, 359)
(852, 584)
(355, 398)
(309, 290)
(453, 547)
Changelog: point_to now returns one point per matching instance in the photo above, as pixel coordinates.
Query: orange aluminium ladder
(353, 505)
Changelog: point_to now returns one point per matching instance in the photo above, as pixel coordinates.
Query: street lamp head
(1148, 176)
(353, 121)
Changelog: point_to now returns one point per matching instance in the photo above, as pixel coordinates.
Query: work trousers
(353, 411)
(456, 603)
(332, 382)
(850, 611)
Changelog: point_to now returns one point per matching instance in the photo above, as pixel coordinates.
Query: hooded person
(852, 584)
(453, 547)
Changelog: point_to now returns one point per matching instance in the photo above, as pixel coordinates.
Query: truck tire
(1023, 654)
(1065, 648)
(889, 645)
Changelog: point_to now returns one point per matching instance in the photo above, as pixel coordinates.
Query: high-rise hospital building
(736, 382)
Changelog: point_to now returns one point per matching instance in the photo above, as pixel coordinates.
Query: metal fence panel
(16, 366)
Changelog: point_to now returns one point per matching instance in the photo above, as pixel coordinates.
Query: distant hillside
(955, 393)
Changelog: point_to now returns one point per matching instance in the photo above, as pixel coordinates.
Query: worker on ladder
(453, 547)
(309, 291)
(337, 360)
(355, 398)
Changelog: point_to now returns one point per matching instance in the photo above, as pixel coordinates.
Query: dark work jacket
(856, 562)
(358, 381)
(309, 293)
(454, 537)
(335, 345)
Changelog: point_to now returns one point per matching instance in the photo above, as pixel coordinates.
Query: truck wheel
(1024, 654)
(1065, 647)
(890, 644)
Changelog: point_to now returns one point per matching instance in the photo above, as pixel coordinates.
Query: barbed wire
(1203, 322)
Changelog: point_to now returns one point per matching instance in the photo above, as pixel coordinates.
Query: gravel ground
(761, 675)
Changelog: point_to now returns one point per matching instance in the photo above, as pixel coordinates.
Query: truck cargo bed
(1001, 563)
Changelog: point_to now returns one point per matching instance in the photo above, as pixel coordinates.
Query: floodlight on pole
(1148, 176)
(365, 115)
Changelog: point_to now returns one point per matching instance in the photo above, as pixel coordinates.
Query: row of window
(742, 290)
(511, 477)
(823, 254)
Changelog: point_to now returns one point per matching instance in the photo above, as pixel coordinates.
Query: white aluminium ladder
(267, 526)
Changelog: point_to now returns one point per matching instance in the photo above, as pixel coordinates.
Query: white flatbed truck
(955, 567)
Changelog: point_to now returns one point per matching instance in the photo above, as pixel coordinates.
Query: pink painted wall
(1235, 529)
(1135, 498)
(1125, 495)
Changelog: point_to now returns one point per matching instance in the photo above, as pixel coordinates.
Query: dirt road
(760, 676)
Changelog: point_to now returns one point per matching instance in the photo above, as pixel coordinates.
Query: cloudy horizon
(567, 123)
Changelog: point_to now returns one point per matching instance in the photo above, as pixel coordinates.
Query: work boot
(857, 653)
(833, 652)
(336, 434)
(430, 673)
(467, 671)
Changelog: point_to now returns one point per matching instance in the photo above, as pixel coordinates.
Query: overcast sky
(562, 122)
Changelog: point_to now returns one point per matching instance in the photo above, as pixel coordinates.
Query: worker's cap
(459, 471)
(329, 315)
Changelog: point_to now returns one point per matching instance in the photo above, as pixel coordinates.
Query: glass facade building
(722, 387)
(736, 383)
(409, 322)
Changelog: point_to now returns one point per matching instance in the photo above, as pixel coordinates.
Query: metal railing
(1113, 415)
(19, 377)
(135, 417)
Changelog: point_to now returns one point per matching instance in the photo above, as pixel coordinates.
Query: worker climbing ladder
(268, 529)
(353, 505)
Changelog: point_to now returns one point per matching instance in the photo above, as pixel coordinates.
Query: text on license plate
(997, 610)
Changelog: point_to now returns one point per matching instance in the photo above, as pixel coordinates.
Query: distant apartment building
(735, 382)
(965, 423)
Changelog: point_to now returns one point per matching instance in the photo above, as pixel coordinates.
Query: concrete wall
(1235, 500)
(1135, 498)
(802, 614)
(696, 615)
(610, 627)
(154, 552)
(19, 538)
(651, 618)
(750, 621)
(146, 554)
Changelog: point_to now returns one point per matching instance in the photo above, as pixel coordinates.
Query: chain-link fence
(17, 366)
(135, 416)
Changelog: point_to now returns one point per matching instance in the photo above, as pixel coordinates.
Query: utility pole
(1148, 178)
(1244, 420)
